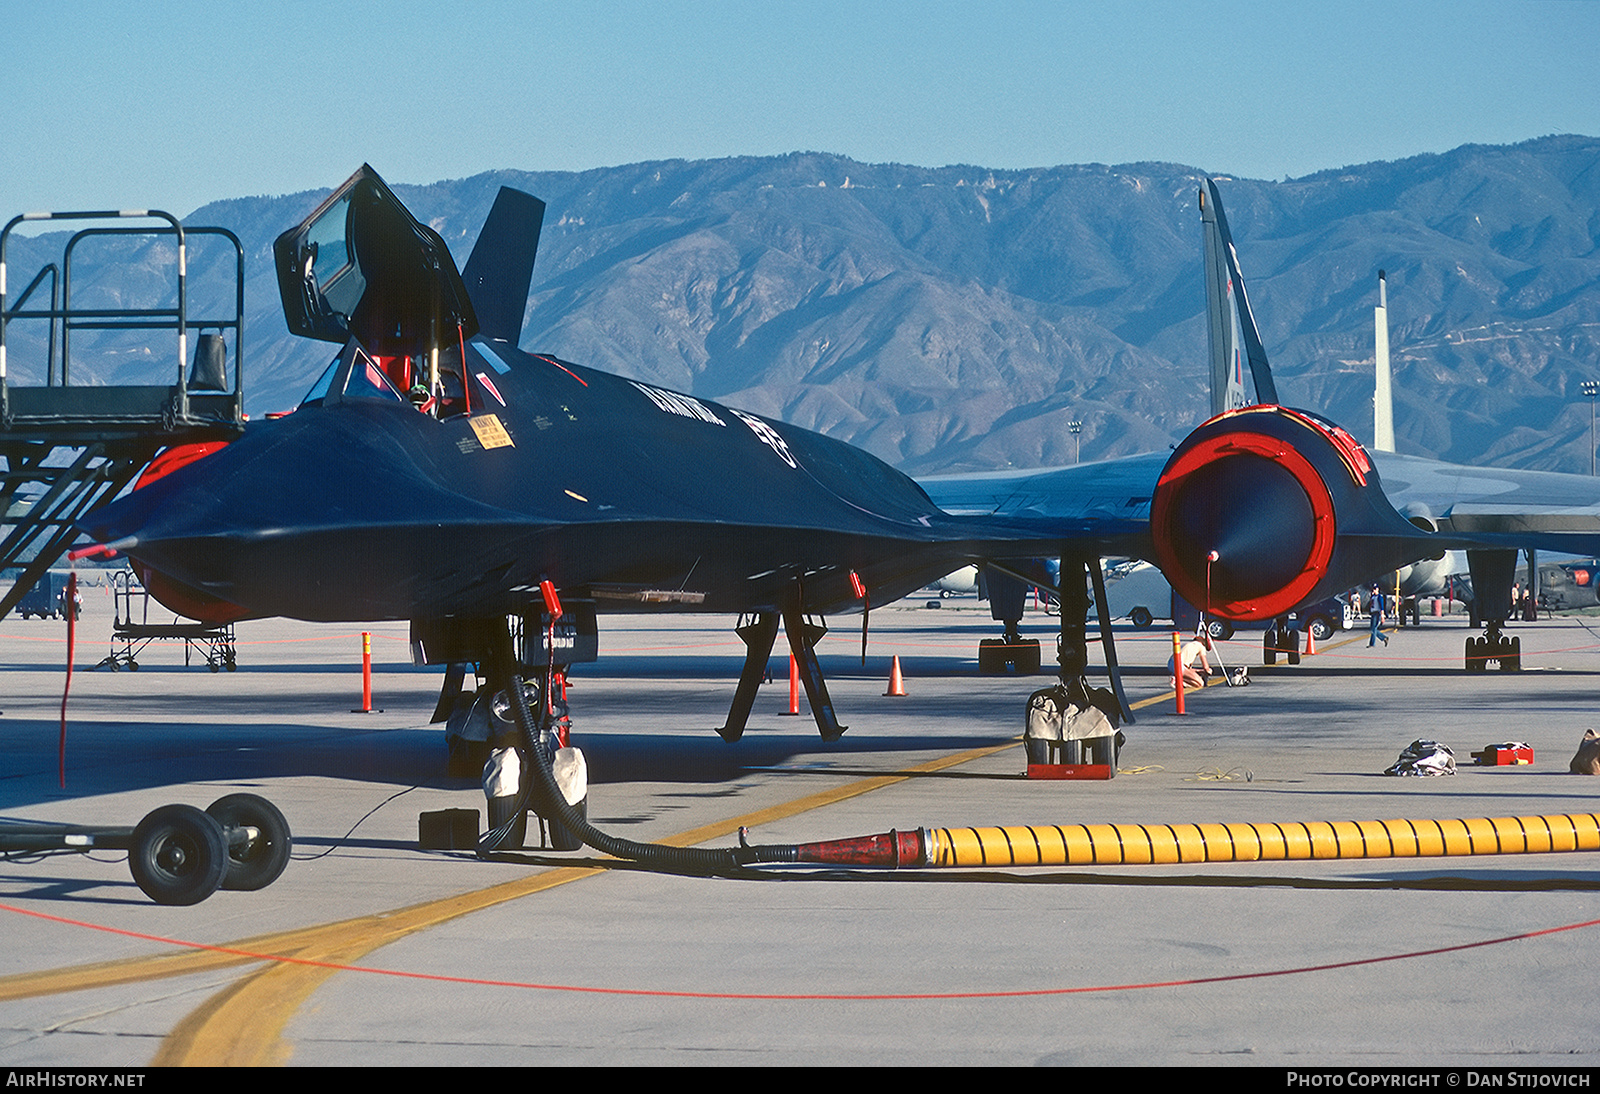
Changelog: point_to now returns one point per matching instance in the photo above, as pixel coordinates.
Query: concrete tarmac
(369, 951)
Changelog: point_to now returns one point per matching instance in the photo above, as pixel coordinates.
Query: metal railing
(172, 407)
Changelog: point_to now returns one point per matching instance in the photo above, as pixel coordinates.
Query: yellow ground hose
(1134, 844)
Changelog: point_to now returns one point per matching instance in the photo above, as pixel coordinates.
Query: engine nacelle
(1289, 503)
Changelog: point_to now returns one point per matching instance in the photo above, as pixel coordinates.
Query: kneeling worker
(1196, 667)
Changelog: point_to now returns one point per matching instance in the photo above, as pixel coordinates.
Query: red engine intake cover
(1271, 491)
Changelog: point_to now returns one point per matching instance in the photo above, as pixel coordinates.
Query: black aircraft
(437, 473)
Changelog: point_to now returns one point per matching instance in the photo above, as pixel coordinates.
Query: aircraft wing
(1491, 506)
(1258, 515)
(1108, 490)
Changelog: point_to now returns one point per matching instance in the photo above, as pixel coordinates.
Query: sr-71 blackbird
(440, 474)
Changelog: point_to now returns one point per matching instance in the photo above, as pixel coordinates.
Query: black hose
(676, 860)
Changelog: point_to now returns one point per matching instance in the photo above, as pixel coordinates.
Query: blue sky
(173, 104)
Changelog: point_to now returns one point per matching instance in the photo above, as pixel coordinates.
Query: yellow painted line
(293, 943)
(243, 1024)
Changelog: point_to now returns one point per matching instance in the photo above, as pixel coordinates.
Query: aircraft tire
(179, 855)
(1141, 619)
(1291, 646)
(1027, 659)
(991, 656)
(1269, 646)
(563, 839)
(1511, 659)
(259, 862)
(504, 809)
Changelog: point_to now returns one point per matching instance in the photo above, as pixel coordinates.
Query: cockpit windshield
(353, 375)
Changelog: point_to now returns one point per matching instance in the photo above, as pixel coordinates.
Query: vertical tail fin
(1233, 324)
(500, 269)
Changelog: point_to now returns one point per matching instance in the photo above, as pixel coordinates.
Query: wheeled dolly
(178, 854)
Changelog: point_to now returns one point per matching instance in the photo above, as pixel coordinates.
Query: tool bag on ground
(1424, 758)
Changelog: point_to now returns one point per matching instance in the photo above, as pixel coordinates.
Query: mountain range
(958, 318)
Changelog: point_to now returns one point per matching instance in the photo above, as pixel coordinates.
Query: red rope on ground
(802, 996)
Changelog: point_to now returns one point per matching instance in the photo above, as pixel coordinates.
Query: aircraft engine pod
(1289, 502)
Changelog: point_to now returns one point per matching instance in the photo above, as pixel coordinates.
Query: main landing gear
(1504, 650)
(1280, 638)
(1062, 726)
(1492, 574)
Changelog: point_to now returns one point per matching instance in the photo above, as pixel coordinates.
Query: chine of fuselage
(366, 503)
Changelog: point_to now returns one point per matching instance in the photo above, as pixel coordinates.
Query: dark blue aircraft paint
(360, 507)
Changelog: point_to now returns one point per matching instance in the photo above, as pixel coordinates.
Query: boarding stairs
(68, 446)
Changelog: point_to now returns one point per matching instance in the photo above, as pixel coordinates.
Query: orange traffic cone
(1311, 641)
(897, 683)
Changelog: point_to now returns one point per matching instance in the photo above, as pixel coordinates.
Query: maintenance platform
(75, 430)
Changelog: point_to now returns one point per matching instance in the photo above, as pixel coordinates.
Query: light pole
(1075, 428)
(1590, 389)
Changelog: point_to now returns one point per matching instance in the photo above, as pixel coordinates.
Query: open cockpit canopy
(361, 266)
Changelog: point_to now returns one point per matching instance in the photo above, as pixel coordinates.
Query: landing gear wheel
(1291, 646)
(1269, 646)
(991, 656)
(1221, 630)
(1141, 618)
(1477, 653)
(996, 656)
(1511, 655)
(257, 862)
(1027, 658)
(562, 838)
(501, 810)
(179, 855)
